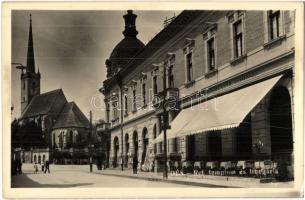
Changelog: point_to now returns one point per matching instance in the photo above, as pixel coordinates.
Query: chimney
(130, 24)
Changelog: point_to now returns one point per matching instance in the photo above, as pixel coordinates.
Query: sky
(70, 50)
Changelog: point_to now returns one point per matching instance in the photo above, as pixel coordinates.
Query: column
(260, 127)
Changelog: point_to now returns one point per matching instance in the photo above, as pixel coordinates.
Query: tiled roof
(71, 116)
(42, 104)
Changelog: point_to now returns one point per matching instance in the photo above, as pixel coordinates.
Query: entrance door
(145, 144)
(214, 145)
(116, 151)
(135, 144)
(244, 139)
(281, 124)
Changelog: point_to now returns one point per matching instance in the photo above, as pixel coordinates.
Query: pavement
(79, 176)
(198, 180)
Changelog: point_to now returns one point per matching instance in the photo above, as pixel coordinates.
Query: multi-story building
(234, 72)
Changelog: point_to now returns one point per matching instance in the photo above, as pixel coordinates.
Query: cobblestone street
(78, 176)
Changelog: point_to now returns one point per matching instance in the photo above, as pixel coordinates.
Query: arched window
(135, 143)
(144, 144)
(116, 147)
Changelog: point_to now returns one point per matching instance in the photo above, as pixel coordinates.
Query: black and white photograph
(154, 98)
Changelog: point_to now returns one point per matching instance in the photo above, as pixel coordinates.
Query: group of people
(44, 167)
(16, 167)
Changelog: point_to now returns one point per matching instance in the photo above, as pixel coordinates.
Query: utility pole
(90, 141)
(120, 83)
(121, 124)
(164, 123)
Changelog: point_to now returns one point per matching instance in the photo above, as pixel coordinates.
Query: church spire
(30, 64)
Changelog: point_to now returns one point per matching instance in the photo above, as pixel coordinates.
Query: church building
(56, 124)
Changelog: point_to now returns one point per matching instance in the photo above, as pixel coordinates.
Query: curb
(170, 181)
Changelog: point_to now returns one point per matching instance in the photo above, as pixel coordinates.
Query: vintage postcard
(152, 99)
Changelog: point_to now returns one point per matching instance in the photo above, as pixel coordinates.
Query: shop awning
(223, 112)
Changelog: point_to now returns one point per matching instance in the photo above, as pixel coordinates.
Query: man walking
(47, 167)
(135, 165)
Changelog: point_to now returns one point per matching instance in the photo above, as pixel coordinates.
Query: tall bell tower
(30, 80)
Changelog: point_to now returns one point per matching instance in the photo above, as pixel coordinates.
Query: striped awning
(223, 112)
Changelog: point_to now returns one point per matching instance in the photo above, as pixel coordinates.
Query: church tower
(30, 80)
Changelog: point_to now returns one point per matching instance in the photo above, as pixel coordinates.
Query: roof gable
(71, 116)
(42, 104)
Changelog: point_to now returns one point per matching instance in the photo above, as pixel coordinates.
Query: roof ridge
(59, 90)
(56, 90)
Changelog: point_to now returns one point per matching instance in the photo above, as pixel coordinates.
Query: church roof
(44, 103)
(71, 116)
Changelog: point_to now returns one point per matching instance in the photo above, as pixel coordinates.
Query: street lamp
(91, 146)
(167, 102)
(120, 83)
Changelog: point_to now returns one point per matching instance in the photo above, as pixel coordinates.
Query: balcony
(171, 97)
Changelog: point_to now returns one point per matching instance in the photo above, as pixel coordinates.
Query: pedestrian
(42, 166)
(20, 167)
(135, 165)
(47, 167)
(35, 168)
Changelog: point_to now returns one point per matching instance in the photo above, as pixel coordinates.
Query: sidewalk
(197, 180)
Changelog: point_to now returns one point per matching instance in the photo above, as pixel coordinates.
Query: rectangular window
(211, 54)
(274, 18)
(107, 112)
(126, 104)
(115, 110)
(144, 93)
(238, 38)
(189, 66)
(155, 85)
(134, 102)
(171, 77)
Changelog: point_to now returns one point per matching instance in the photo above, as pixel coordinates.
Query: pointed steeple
(30, 64)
